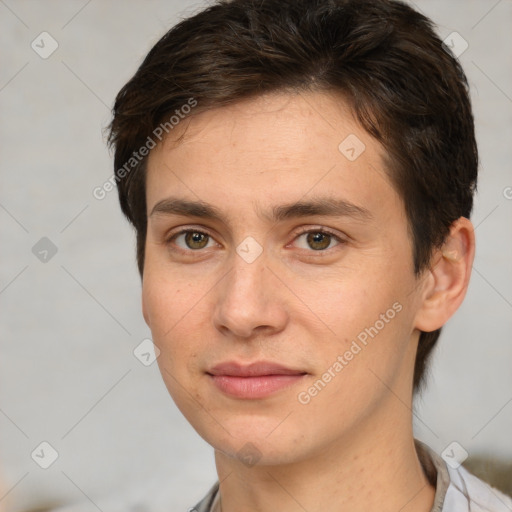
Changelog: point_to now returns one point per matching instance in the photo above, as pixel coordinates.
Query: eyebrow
(323, 206)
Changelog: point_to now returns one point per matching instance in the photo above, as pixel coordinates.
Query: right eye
(191, 240)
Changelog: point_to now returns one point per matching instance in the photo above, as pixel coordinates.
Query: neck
(376, 467)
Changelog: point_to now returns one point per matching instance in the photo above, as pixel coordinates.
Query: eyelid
(341, 239)
(170, 236)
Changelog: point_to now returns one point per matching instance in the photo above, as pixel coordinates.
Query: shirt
(457, 490)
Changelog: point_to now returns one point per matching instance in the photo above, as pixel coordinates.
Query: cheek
(170, 297)
(366, 319)
(350, 298)
(173, 310)
(174, 307)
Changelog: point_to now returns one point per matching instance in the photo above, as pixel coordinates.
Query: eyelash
(324, 231)
(302, 231)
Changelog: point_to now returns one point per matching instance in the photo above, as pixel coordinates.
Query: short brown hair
(405, 88)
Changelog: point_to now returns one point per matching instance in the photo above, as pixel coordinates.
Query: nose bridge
(247, 277)
(247, 300)
(245, 284)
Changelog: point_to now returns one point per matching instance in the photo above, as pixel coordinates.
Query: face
(278, 280)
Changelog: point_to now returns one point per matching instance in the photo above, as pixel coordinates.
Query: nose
(250, 300)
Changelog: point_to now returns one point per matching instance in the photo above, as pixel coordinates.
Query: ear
(446, 282)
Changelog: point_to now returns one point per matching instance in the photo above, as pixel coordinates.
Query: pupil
(196, 240)
(318, 241)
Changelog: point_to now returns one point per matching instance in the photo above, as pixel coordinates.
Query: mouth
(254, 381)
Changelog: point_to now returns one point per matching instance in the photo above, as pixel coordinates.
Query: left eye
(317, 240)
(194, 240)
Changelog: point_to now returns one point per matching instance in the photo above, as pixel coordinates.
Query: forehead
(287, 125)
(275, 149)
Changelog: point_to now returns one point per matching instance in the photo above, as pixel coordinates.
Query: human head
(404, 88)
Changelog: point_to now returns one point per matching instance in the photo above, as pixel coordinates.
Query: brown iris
(318, 241)
(196, 240)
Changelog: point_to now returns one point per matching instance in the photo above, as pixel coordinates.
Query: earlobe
(448, 277)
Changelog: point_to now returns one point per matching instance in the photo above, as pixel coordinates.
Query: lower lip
(254, 387)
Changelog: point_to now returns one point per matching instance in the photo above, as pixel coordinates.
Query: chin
(256, 440)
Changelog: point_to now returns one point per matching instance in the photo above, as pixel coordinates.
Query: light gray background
(67, 372)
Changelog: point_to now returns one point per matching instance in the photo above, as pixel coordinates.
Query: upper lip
(256, 369)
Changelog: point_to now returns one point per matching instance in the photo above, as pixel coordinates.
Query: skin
(350, 448)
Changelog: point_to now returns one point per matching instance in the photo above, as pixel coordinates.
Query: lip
(253, 381)
(256, 369)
